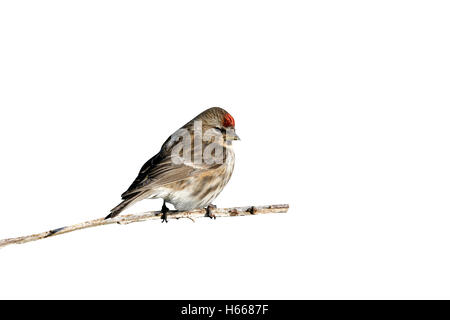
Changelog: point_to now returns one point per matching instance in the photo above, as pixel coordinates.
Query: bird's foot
(164, 211)
(209, 211)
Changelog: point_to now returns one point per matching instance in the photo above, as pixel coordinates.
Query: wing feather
(161, 170)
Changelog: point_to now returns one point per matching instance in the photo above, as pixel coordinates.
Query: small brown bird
(192, 167)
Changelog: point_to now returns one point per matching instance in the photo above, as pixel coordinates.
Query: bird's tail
(118, 209)
(123, 205)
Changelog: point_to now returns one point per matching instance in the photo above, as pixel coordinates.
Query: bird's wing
(161, 170)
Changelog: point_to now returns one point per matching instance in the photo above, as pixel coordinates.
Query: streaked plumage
(186, 185)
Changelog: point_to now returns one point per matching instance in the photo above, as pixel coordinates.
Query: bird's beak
(234, 136)
(231, 135)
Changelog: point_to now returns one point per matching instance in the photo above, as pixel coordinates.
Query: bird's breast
(199, 191)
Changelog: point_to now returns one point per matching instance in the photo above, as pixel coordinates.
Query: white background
(343, 111)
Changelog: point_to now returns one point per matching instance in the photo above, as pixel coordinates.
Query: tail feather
(118, 209)
(123, 205)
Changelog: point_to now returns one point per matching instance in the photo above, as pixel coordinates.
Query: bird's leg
(209, 211)
(164, 211)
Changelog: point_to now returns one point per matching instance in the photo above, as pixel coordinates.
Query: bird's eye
(221, 129)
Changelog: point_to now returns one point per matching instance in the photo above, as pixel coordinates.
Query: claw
(209, 211)
(164, 211)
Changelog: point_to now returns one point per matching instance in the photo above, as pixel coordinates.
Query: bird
(192, 168)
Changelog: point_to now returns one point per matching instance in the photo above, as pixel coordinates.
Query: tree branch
(152, 215)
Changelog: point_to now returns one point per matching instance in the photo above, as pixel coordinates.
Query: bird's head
(220, 120)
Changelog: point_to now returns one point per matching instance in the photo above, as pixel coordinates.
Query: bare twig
(125, 219)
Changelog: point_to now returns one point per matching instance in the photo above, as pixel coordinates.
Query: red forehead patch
(228, 120)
